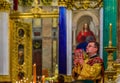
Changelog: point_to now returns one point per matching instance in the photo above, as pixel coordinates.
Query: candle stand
(110, 71)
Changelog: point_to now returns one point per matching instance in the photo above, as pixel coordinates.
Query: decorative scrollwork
(36, 45)
(25, 2)
(4, 5)
(81, 4)
(85, 4)
(46, 2)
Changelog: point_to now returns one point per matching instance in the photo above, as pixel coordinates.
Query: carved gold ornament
(4, 5)
(36, 45)
(85, 4)
(81, 4)
(25, 2)
(46, 2)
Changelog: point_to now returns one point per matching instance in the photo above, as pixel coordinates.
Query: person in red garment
(86, 32)
(84, 36)
(92, 67)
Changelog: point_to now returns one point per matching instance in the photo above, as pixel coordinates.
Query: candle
(52, 81)
(43, 79)
(34, 73)
(110, 35)
(15, 5)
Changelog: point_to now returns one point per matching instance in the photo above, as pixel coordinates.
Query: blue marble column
(62, 41)
(110, 16)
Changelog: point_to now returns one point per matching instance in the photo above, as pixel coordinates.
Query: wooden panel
(37, 56)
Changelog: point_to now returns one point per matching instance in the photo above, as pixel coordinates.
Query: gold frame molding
(35, 13)
(15, 41)
(32, 15)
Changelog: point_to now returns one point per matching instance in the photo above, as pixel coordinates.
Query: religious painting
(86, 26)
(20, 61)
(20, 54)
(84, 36)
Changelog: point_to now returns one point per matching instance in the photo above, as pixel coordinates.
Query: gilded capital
(4, 6)
(62, 3)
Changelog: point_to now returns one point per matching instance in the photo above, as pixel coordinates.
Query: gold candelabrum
(39, 79)
(110, 71)
(32, 79)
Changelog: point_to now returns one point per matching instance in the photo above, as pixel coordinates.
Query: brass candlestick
(110, 71)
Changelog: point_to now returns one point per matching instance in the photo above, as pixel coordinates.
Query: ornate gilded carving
(35, 13)
(36, 45)
(81, 4)
(85, 4)
(47, 2)
(20, 41)
(25, 2)
(62, 3)
(4, 6)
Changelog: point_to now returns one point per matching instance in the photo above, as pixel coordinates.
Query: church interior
(38, 38)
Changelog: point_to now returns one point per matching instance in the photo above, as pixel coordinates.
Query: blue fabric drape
(62, 41)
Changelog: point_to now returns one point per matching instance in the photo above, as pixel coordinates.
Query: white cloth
(118, 79)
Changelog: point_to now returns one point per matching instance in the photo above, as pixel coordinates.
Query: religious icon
(86, 32)
(84, 37)
(20, 75)
(21, 32)
(20, 57)
(20, 54)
